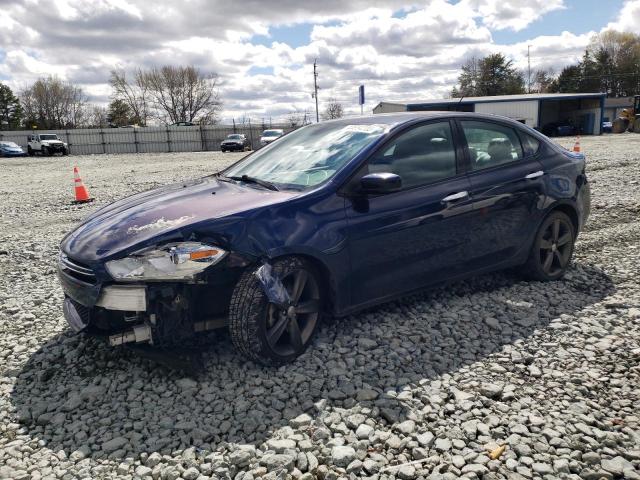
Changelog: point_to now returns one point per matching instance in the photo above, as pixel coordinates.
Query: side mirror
(380, 183)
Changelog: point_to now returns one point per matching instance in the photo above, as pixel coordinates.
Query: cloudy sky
(263, 50)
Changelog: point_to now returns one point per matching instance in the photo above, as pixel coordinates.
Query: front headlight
(174, 261)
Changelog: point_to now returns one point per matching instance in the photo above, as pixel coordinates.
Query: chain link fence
(145, 139)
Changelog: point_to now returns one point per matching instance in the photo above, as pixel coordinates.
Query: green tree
(10, 109)
(489, 76)
(119, 114)
(590, 74)
(568, 81)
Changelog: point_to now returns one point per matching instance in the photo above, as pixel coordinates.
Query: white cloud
(514, 14)
(629, 18)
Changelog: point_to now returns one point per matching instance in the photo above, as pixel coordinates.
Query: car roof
(399, 118)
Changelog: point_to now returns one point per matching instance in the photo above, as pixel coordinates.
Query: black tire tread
(531, 269)
(246, 311)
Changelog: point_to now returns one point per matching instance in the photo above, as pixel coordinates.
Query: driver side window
(423, 155)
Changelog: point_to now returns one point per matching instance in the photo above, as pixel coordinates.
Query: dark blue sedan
(327, 220)
(11, 149)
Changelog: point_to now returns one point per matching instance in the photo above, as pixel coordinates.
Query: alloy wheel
(556, 246)
(289, 328)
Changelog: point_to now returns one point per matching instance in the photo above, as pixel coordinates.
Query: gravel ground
(428, 387)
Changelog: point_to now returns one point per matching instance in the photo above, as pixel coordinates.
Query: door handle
(455, 196)
(533, 175)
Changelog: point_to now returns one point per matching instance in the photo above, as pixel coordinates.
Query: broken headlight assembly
(174, 261)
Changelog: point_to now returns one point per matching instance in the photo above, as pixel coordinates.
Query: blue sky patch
(254, 70)
(293, 35)
(579, 16)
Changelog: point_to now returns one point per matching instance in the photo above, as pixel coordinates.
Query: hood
(232, 140)
(174, 211)
(51, 141)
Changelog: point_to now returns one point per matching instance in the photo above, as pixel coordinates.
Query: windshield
(8, 144)
(49, 137)
(234, 137)
(271, 133)
(308, 156)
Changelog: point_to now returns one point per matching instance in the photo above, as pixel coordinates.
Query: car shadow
(75, 392)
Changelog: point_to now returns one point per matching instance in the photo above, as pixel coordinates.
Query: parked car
(11, 149)
(335, 217)
(269, 136)
(46, 144)
(559, 129)
(236, 142)
(184, 124)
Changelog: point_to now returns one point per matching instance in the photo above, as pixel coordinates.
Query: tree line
(610, 64)
(160, 95)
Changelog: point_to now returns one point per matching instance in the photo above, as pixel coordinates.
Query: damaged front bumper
(156, 313)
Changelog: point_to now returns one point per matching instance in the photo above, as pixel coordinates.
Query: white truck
(46, 144)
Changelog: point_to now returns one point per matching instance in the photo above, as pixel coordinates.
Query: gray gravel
(427, 387)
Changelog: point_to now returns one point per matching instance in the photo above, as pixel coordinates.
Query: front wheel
(65, 152)
(30, 151)
(276, 334)
(552, 248)
(45, 151)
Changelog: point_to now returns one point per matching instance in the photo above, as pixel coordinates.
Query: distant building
(542, 111)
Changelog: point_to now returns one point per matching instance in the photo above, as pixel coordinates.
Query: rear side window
(422, 155)
(491, 144)
(530, 144)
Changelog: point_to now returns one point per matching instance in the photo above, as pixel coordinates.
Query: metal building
(542, 111)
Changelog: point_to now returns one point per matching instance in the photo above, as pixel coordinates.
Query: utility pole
(315, 88)
(529, 68)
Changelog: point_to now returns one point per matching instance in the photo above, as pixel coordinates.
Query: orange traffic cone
(576, 146)
(82, 194)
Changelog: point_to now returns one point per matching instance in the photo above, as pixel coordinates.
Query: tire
(30, 151)
(224, 151)
(265, 333)
(45, 151)
(65, 152)
(552, 248)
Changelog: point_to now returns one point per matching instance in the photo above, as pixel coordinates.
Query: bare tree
(53, 103)
(133, 93)
(97, 117)
(294, 120)
(182, 94)
(333, 110)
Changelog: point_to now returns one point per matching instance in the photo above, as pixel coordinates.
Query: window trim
(463, 141)
(345, 189)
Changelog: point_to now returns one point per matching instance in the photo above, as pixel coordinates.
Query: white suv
(269, 136)
(46, 144)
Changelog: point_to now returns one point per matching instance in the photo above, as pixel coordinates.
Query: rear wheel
(552, 249)
(276, 334)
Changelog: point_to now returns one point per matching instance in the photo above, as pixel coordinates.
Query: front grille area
(82, 311)
(76, 270)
